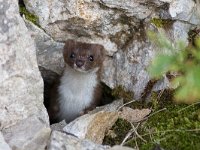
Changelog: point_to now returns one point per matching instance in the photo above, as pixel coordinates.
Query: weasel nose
(79, 63)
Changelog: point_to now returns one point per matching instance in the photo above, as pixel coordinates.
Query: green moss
(119, 92)
(161, 23)
(120, 128)
(28, 15)
(172, 129)
(171, 126)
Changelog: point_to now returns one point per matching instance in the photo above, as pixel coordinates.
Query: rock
(62, 141)
(180, 31)
(21, 85)
(111, 23)
(49, 52)
(134, 8)
(179, 11)
(94, 125)
(29, 134)
(117, 147)
(187, 13)
(118, 25)
(114, 106)
(134, 115)
(3, 144)
(59, 126)
(131, 67)
(162, 84)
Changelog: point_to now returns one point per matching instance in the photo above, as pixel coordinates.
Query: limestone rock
(62, 141)
(114, 106)
(94, 125)
(49, 52)
(3, 144)
(137, 8)
(178, 10)
(134, 115)
(117, 147)
(29, 134)
(21, 83)
(131, 67)
(59, 126)
(21, 94)
(118, 25)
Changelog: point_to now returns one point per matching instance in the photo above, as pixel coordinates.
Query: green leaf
(189, 90)
(160, 65)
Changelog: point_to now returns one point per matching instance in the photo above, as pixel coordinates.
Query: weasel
(78, 89)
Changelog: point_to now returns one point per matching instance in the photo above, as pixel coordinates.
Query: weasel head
(83, 57)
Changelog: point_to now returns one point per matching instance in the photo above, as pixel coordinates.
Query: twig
(137, 148)
(128, 135)
(135, 131)
(189, 106)
(125, 104)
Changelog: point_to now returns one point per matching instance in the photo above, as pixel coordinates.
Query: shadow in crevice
(49, 78)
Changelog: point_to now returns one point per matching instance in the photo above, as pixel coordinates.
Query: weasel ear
(101, 50)
(69, 45)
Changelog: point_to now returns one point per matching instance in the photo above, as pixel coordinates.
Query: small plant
(31, 17)
(183, 61)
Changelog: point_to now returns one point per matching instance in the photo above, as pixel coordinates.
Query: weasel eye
(91, 58)
(72, 55)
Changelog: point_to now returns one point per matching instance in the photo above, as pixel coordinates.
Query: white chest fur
(76, 92)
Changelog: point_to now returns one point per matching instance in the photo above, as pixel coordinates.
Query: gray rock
(117, 147)
(94, 125)
(118, 25)
(29, 134)
(179, 11)
(49, 52)
(21, 94)
(114, 106)
(62, 141)
(3, 144)
(21, 83)
(135, 8)
(180, 31)
(59, 126)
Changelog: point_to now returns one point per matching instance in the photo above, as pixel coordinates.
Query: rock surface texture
(62, 141)
(23, 117)
(94, 125)
(121, 27)
(3, 144)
